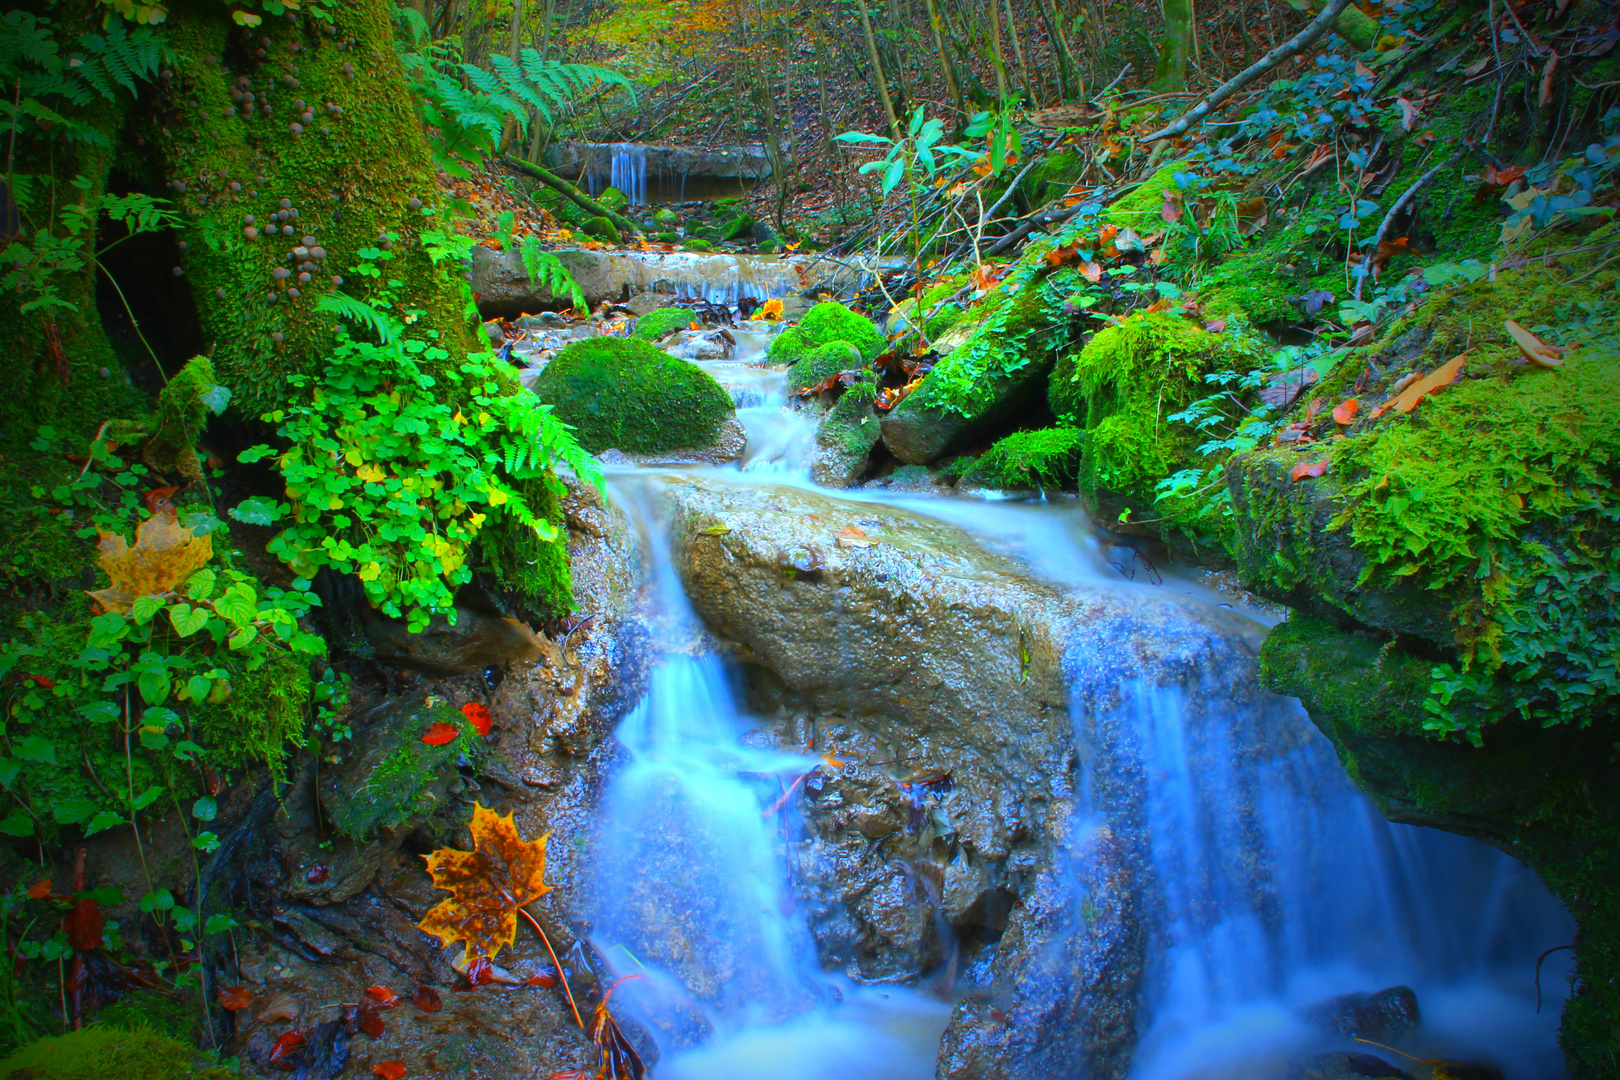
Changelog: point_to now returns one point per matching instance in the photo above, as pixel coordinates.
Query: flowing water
(1275, 884)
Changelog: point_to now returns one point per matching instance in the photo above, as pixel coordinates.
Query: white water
(1276, 884)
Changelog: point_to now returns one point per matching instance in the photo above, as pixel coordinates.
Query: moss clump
(183, 406)
(99, 1052)
(397, 779)
(739, 227)
(822, 362)
(1143, 207)
(1255, 287)
(697, 244)
(830, 321)
(1124, 385)
(602, 228)
(846, 437)
(657, 324)
(613, 199)
(522, 563)
(625, 394)
(1031, 459)
(263, 718)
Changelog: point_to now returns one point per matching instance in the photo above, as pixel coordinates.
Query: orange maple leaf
(487, 885)
(770, 310)
(1427, 386)
(165, 554)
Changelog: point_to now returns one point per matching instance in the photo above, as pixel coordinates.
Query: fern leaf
(347, 307)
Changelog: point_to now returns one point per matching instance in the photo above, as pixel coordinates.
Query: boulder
(579, 159)
(662, 323)
(632, 396)
(965, 670)
(1381, 1017)
(846, 437)
(475, 641)
(389, 779)
(1349, 1065)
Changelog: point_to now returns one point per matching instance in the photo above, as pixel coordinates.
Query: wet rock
(1349, 1065)
(728, 446)
(1381, 1017)
(956, 662)
(475, 641)
(845, 439)
(390, 779)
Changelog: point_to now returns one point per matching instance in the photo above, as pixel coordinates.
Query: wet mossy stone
(667, 237)
(846, 437)
(822, 325)
(697, 244)
(391, 779)
(1046, 459)
(602, 229)
(613, 199)
(666, 218)
(626, 394)
(739, 227)
(664, 321)
(822, 362)
(99, 1052)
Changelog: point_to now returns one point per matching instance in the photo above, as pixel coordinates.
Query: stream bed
(1167, 876)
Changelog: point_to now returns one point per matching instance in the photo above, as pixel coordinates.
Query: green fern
(363, 314)
(548, 270)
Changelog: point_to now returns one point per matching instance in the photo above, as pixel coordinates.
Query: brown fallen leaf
(1409, 113)
(232, 998)
(1345, 413)
(487, 885)
(164, 556)
(278, 1007)
(1534, 349)
(1308, 468)
(1547, 73)
(427, 999)
(1424, 387)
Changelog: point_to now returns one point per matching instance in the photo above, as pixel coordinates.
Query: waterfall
(1275, 885)
(626, 169)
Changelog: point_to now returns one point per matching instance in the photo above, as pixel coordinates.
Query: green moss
(695, 244)
(603, 229)
(351, 177)
(829, 321)
(1031, 459)
(263, 718)
(1013, 335)
(398, 779)
(656, 324)
(1124, 385)
(523, 563)
(738, 228)
(625, 394)
(39, 551)
(99, 1052)
(147, 1009)
(1256, 286)
(183, 406)
(822, 362)
(789, 346)
(1050, 178)
(1142, 208)
(613, 199)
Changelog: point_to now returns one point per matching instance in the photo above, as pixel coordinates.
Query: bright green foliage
(1123, 387)
(547, 271)
(627, 394)
(1046, 459)
(262, 718)
(822, 362)
(832, 321)
(99, 1052)
(738, 228)
(1142, 209)
(470, 106)
(391, 474)
(399, 778)
(695, 244)
(182, 409)
(664, 321)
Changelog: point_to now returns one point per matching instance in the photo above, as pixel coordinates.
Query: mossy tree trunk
(310, 118)
(1170, 72)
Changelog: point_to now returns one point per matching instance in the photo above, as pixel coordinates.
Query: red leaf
(1309, 468)
(1170, 210)
(388, 1070)
(439, 734)
(83, 925)
(382, 996)
(158, 498)
(427, 999)
(285, 1045)
(546, 981)
(42, 682)
(369, 1020)
(1345, 413)
(479, 715)
(232, 998)
(480, 972)
(39, 890)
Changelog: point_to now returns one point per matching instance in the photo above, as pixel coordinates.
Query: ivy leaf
(200, 586)
(257, 510)
(17, 824)
(153, 685)
(205, 809)
(144, 607)
(239, 604)
(187, 620)
(35, 748)
(487, 885)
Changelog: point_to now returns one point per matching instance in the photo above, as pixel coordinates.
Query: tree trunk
(1170, 73)
(999, 60)
(945, 65)
(1018, 55)
(514, 44)
(877, 71)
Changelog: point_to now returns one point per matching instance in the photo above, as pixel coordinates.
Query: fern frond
(355, 311)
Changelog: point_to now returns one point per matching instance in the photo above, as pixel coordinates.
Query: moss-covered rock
(99, 1052)
(664, 321)
(1142, 208)
(1045, 459)
(826, 323)
(846, 437)
(738, 227)
(392, 779)
(613, 199)
(666, 218)
(602, 228)
(822, 362)
(626, 394)
(694, 243)
(1122, 388)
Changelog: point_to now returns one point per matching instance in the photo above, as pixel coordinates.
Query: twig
(1496, 101)
(562, 976)
(1298, 43)
(1124, 71)
(1411, 193)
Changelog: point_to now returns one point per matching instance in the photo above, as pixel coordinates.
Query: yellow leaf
(334, 503)
(487, 885)
(165, 555)
(353, 455)
(371, 474)
(459, 418)
(370, 572)
(497, 497)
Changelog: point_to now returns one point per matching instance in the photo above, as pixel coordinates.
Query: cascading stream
(1271, 883)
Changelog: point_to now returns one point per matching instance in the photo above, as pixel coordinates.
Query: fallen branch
(1400, 204)
(1296, 44)
(573, 194)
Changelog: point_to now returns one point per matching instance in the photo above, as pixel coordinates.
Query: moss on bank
(628, 395)
(1046, 459)
(99, 1052)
